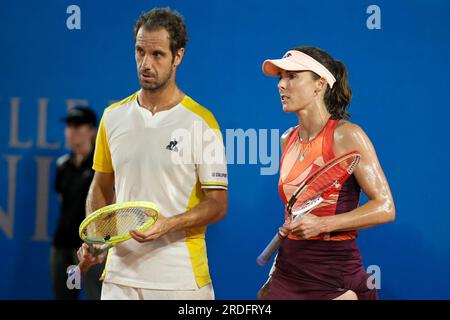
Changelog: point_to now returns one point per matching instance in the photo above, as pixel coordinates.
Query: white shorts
(112, 291)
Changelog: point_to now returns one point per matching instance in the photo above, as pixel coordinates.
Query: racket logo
(172, 146)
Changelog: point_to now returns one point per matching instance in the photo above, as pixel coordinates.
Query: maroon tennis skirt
(316, 270)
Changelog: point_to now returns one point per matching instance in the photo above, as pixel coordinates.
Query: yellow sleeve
(102, 154)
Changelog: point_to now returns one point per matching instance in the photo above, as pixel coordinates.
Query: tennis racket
(111, 225)
(313, 191)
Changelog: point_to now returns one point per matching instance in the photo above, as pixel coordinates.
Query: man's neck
(160, 100)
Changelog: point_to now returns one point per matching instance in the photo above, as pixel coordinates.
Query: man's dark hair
(164, 18)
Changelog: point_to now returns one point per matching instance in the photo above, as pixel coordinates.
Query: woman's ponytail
(337, 98)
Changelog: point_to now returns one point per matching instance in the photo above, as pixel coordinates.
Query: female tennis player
(320, 259)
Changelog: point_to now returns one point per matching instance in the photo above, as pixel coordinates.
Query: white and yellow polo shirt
(166, 158)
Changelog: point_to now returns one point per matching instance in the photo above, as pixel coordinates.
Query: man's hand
(162, 226)
(87, 259)
(210, 210)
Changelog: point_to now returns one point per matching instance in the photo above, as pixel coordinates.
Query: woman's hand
(284, 230)
(307, 226)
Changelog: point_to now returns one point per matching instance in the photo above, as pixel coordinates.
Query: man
(143, 153)
(73, 178)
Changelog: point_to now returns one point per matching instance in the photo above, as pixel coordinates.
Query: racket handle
(97, 251)
(268, 252)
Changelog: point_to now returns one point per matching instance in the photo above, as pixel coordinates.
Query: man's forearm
(98, 198)
(207, 212)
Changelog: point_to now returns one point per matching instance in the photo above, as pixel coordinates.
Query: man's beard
(157, 84)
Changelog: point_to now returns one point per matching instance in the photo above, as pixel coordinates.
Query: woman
(320, 259)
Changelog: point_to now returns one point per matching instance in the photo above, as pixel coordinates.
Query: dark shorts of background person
(72, 184)
(318, 270)
(60, 259)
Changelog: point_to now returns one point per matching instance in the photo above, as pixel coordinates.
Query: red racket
(315, 189)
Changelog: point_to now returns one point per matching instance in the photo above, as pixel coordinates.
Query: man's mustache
(147, 73)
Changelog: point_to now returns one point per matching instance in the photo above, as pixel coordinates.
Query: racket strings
(327, 178)
(118, 223)
(353, 164)
(315, 190)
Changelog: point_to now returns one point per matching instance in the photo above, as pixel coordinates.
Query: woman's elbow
(389, 211)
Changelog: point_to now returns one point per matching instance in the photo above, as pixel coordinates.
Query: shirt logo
(172, 145)
(219, 175)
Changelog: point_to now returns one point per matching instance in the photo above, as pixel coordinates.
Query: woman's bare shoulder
(346, 129)
(348, 135)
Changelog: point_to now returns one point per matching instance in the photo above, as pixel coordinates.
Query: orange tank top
(300, 160)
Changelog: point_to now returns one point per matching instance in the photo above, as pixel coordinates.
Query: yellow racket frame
(113, 207)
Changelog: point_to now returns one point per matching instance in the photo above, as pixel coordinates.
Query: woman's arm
(377, 210)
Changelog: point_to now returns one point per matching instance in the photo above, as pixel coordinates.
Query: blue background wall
(399, 76)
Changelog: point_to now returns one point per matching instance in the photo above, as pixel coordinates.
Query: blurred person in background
(73, 179)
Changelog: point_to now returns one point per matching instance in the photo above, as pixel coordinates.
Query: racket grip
(268, 252)
(97, 251)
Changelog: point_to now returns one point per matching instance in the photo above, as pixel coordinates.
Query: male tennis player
(156, 146)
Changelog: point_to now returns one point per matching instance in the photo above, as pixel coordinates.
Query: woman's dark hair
(165, 18)
(337, 98)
